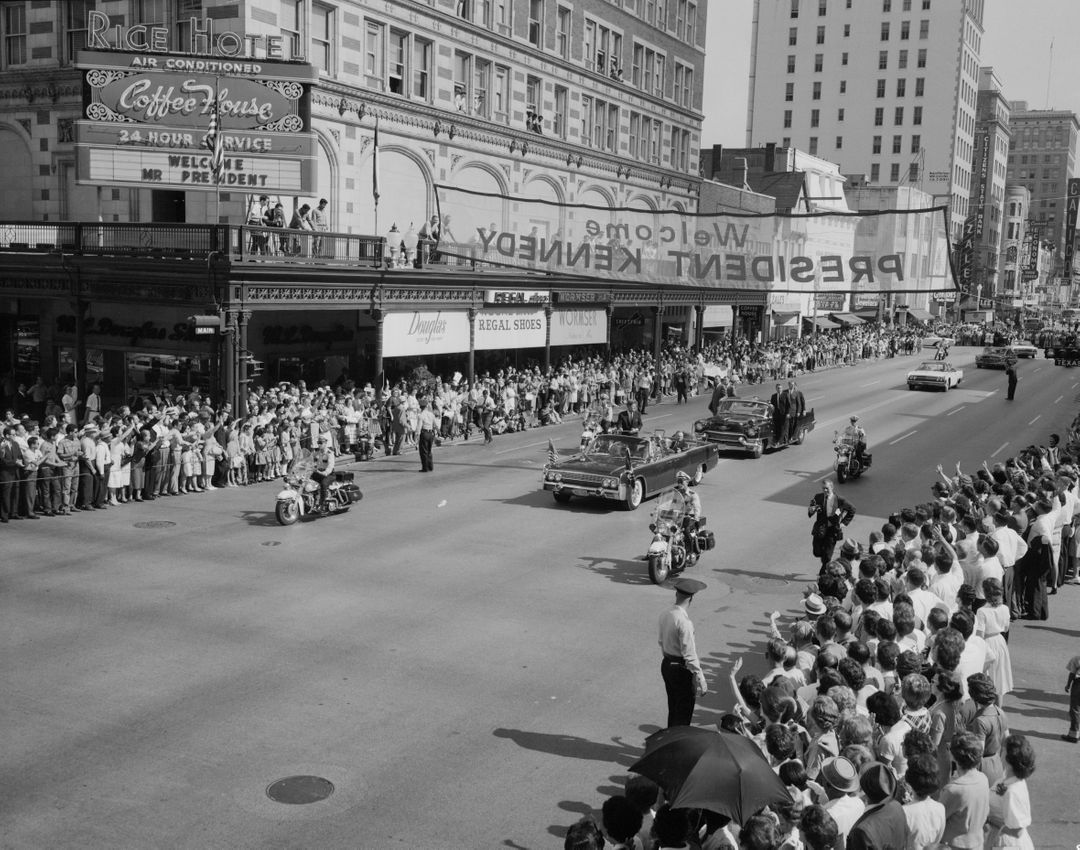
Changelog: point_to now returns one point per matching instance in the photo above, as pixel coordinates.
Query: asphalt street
(469, 663)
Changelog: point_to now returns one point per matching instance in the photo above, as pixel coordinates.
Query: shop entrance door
(169, 207)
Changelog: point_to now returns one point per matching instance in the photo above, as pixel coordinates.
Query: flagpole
(217, 174)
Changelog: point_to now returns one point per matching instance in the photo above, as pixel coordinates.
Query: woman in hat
(989, 723)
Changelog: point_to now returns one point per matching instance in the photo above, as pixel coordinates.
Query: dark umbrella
(719, 771)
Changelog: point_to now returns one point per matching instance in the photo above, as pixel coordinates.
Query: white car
(1023, 349)
(935, 375)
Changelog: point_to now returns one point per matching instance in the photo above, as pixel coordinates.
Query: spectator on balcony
(430, 234)
(320, 222)
(258, 215)
(301, 220)
(276, 219)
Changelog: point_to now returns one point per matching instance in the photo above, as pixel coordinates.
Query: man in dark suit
(781, 406)
(882, 823)
(629, 421)
(798, 408)
(831, 513)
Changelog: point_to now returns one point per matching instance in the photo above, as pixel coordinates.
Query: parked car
(994, 357)
(746, 425)
(628, 469)
(934, 375)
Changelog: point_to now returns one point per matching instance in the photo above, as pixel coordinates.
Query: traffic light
(206, 325)
(250, 368)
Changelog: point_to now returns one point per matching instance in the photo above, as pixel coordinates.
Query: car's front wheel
(635, 493)
(561, 496)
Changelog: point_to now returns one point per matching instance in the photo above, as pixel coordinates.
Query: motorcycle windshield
(304, 465)
(669, 507)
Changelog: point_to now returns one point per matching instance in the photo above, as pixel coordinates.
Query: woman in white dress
(1010, 805)
(992, 625)
(116, 468)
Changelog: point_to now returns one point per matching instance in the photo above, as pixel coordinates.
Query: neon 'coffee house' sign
(202, 41)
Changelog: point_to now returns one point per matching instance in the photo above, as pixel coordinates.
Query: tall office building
(885, 88)
(1042, 157)
(989, 173)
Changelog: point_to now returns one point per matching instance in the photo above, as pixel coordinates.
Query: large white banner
(867, 251)
(509, 329)
(579, 327)
(434, 332)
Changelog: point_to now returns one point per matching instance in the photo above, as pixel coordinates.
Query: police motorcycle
(847, 463)
(667, 555)
(300, 495)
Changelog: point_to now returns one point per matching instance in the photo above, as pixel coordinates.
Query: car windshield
(931, 366)
(614, 445)
(735, 405)
(995, 350)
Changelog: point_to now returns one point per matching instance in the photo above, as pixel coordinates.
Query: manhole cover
(155, 523)
(770, 582)
(271, 543)
(298, 790)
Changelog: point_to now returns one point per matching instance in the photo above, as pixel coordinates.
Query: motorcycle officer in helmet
(691, 512)
(857, 435)
(323, 473)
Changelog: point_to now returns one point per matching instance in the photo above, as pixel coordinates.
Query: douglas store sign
(409, 334)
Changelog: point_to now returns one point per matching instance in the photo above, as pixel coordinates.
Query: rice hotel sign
(146, 112)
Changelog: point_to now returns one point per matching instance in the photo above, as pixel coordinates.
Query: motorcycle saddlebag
(354, 492)
(706, 540)
(343, 477)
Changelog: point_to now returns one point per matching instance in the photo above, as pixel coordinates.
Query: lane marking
(815, 398)
(828, 474)
(908, 434)
(1000, 450)
(1060, 397)
(519, 448)
(1033, 371)
(870, 384)
(961, 407)
(1036, 419)
(1074, 386)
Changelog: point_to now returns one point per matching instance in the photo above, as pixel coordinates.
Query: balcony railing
(191, 241)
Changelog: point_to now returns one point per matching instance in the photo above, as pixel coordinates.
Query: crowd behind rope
(63, 454)
(881, 710)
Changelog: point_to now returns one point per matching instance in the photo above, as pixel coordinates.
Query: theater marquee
(146, 117)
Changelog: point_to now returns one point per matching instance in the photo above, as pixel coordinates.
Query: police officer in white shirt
(323, 458)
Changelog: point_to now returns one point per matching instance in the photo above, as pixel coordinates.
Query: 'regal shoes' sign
(510, 329)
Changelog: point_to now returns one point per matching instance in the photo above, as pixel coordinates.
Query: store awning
(920, 314)
(868, 315)
(782, 319)
(824, 323)
(847, 318)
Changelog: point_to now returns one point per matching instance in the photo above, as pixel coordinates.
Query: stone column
(547, 337)
(379, 379)
(243, 356)
(699, 327)
(472, 346)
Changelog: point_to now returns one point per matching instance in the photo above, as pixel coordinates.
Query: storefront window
(67, 366)
(148, 372)
(27, 352)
